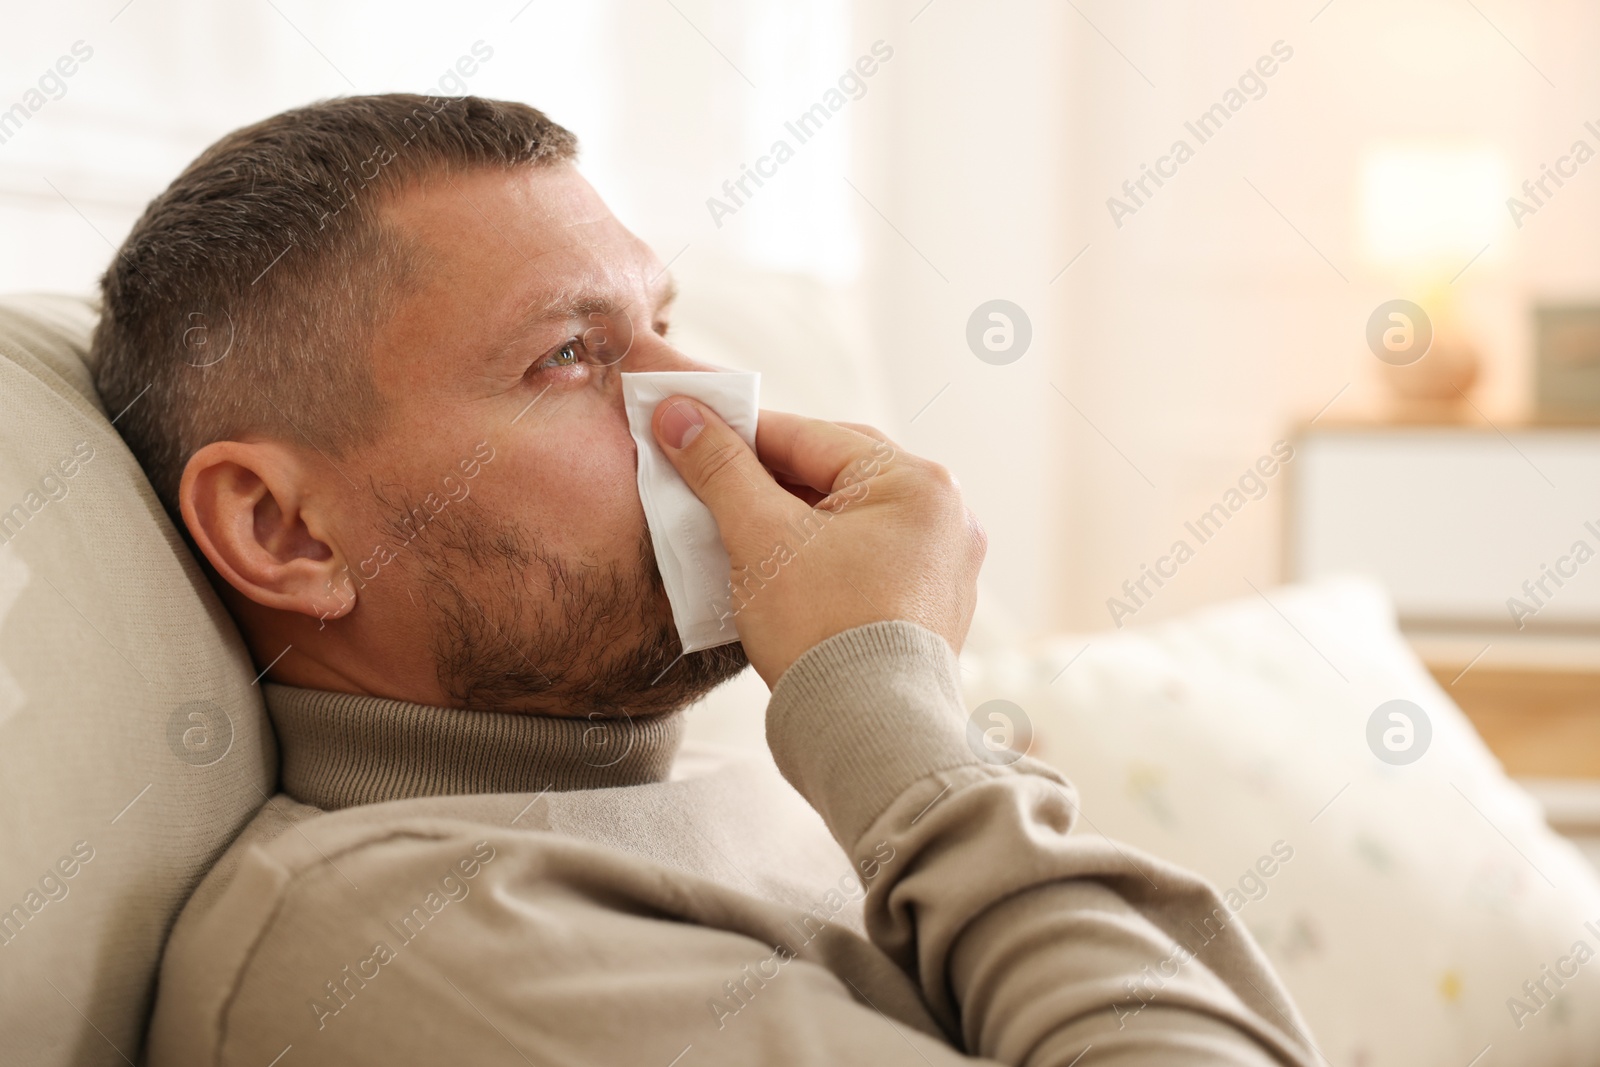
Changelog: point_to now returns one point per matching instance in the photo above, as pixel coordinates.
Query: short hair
(246, 298)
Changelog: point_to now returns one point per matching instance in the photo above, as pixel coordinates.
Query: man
(382, 339)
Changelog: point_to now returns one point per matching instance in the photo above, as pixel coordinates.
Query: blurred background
(1195, 215)
(1201, 301)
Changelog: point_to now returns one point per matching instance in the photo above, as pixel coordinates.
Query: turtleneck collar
(341, 749)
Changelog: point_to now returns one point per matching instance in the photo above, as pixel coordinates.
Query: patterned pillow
(1421, 912)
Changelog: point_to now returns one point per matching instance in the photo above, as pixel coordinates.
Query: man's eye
(567, 355)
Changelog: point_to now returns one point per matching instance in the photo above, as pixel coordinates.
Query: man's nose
(652, 352)
(648, 351)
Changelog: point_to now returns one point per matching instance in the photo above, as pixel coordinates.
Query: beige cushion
(133, 745)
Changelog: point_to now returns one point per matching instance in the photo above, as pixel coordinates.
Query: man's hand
(885, 535)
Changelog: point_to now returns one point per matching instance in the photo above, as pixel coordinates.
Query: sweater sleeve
(1030, 944)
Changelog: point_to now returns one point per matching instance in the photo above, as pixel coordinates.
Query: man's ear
(251, 508)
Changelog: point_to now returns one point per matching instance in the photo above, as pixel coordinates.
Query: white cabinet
(1469, 526)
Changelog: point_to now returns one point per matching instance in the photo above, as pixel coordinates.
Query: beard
(517, 629)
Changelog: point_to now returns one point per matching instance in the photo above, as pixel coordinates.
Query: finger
(715, 462)
(870, 431)
(811, 452)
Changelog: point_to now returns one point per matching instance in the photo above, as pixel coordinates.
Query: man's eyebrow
(669, 292)
(573, 303)
(565, 304)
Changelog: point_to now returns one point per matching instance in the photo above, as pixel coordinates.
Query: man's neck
(342, 749)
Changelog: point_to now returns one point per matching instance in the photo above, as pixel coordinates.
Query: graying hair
(246, 298)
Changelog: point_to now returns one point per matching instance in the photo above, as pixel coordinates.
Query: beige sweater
(440, 886)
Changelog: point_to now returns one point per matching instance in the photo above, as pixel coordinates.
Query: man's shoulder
(741, 802)
(307, 909)
(312, 917)
(274, 837)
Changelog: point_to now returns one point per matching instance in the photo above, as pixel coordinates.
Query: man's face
(502, 546)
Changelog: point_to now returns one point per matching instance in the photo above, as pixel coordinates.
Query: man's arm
(1029, 946)
(860, 583)
(366, 937)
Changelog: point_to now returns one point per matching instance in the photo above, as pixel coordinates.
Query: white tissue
(694, 565)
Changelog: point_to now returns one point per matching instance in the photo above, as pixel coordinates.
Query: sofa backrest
(133, 744)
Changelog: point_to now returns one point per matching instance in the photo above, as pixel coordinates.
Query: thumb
(713, 460)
